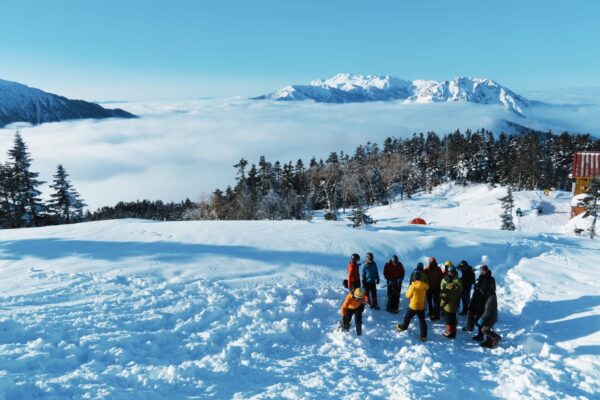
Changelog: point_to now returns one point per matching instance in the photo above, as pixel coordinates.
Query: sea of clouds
(188, 148)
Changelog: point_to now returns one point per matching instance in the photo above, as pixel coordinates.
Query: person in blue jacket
(370, 280)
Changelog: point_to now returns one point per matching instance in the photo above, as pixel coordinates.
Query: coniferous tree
(27, 207)
(507, 214)
(359, 216)
(66, 204)
(6, 191)
(591, 202)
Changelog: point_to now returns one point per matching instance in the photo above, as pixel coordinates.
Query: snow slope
(247, 310)
(348, 88)
(477, 206)
(20, 103)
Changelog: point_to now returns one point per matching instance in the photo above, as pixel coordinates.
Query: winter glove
(480, 322)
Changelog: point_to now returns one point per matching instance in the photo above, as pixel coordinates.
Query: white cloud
(182, 149)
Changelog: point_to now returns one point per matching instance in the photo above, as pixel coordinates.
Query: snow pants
(371, 291)
(393, 292)
(466, 298)
(451, 318)
(472, 316)
(433, 303)
(357, 319)
(410, 313)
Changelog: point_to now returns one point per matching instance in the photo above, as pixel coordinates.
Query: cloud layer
(183, 149)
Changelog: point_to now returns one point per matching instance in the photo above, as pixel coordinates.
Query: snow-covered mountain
(21, 103)
(348, 88)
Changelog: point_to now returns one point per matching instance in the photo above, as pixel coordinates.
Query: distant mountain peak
(355, 88)
(21, 103)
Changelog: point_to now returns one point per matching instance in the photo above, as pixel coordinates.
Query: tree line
(401, 167)
(371, 175)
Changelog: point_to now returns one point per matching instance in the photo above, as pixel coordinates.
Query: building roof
(586, 164)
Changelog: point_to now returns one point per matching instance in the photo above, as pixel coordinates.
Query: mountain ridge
(21, 103)
(356, 88)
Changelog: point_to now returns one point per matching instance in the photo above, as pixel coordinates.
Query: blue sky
(191, 49)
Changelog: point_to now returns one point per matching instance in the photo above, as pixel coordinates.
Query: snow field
(249, 310)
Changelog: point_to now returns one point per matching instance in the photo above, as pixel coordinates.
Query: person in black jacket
(487, 321)
(419, 269)
(485, 283)
(489, 315)
(467, 278)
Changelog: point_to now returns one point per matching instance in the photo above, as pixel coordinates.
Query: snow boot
(450, 331)
(423, 338)
(493, 338)
(359, 330)
(478, 337)
(489, 343)
(376, 307)
(399, 328)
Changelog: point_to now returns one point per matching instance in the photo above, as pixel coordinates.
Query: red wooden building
(586, 166)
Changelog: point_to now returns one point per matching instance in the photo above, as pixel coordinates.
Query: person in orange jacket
(354, 272)
(416, 293)
(354, 304)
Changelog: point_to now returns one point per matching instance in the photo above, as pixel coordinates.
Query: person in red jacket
(394, 275)
(434, 277)
(354, 272)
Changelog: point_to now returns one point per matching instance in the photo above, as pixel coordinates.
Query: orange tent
(418, 221)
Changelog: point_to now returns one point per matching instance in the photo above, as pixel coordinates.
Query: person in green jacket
(451, 292)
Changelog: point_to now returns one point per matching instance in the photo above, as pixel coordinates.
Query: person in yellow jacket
(416, 293)
(354, 304)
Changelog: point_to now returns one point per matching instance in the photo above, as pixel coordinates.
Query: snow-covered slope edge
(348, 88)
(20, 103)
(131, 309)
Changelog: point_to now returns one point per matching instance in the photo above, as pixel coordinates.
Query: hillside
(229, 309)
(20, 103)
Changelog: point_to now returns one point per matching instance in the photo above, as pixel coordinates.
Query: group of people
(433, 288)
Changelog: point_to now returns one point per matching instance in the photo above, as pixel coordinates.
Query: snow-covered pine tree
(26, 204)
(6, 191)
(65, 203)
(591, 202)
(507, 214)
(359, 216)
